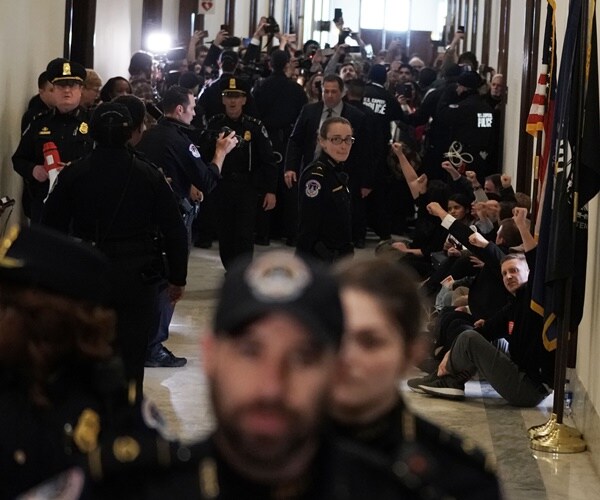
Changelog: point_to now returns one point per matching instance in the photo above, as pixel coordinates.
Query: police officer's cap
(232, 86)
(39, 257)
(280, 282)
(64, 71)
(469, 79)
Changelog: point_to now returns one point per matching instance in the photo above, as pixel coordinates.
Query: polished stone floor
(180, 393)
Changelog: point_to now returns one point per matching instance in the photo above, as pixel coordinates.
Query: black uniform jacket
(253, 160)
(68, 131)
(86, 197)
(169, 146)
(325, 220)
(338, 471)
(439, 464)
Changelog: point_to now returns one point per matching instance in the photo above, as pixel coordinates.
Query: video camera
(214, 135)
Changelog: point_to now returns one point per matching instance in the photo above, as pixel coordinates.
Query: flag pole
(562, 438)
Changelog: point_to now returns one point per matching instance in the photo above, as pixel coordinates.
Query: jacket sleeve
(311, 204)
(293, 154)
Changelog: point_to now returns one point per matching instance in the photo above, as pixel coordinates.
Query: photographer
(249, 174)
(119, 203)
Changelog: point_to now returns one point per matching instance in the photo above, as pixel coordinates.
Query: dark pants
(135, 305)
(471, 352)
(236, 216)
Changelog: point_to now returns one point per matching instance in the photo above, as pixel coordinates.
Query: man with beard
(269, 364)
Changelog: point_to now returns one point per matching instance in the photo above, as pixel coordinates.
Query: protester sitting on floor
(524, 376)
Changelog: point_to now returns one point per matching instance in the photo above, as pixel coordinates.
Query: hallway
(181, 394)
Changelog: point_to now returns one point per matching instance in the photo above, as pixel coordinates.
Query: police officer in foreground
(325, 219)
(63, 129)
(124, 207)
(61, 391)
(269, 363)
(249, 174)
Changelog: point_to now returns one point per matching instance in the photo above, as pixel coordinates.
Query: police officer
(61, 392)
(249, 172)
(325, 221)
(63, 129)
(122, 204)
(169, 146)
(465, 130)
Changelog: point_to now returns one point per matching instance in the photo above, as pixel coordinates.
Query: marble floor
(181, 395)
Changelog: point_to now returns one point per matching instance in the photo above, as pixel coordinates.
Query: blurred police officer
(65, 127)
(61, 392)
(249, 172)
(269, 363)
(123, 205)
(169, 146)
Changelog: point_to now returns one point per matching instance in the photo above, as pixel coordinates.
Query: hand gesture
(225, 143)
(520, 217)
(434, 208)
(477, 240)
(472, 178)
(451, 169)
(398, 149)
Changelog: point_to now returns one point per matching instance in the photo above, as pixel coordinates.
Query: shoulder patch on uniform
(312, 188)
(194, 151)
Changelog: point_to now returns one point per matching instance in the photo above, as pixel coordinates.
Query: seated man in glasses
(325, 222)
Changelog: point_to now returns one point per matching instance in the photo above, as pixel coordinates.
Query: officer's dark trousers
(236, 216)
(135, 305)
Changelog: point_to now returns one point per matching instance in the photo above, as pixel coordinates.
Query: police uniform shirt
(117, 201)
(253, 161)
(325, 225)
(439, 464)
(68, 131)
(168, 146)
(338, 471)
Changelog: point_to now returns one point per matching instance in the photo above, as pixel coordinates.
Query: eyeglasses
(338, 140)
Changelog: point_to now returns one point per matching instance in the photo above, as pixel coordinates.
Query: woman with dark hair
(115, 86)
(381, 340)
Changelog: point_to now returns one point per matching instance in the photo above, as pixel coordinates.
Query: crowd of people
(312, 145)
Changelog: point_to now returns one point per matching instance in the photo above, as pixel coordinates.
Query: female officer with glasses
(325, 220)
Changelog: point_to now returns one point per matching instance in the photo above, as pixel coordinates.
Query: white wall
(118, 36)
(31, 34)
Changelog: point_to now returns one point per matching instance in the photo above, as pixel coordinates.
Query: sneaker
(447, 387)
(415, 383)
(165, 359)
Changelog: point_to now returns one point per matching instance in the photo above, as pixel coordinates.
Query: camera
(460, 29)
(272, 27)
(226, 131)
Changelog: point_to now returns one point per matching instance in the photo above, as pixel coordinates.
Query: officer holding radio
(249, 172)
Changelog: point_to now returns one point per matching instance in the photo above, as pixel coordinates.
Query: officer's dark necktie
(329, 112)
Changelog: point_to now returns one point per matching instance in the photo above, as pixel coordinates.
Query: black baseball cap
(279, 281)
(39, 257)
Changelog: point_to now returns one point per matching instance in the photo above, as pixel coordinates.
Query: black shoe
(203, 244)
(164, 359)
(414, 383)
(290, 242)
(359, 244)
(447, 387)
